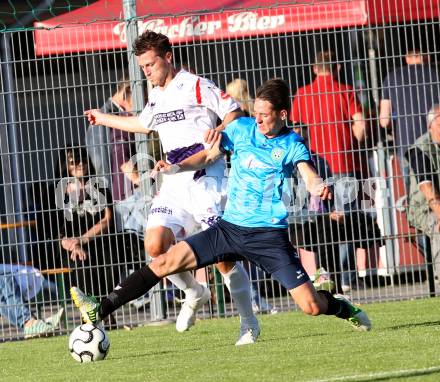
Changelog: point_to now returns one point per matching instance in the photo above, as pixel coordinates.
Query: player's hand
(212, 135)
(164, 168)
(94, 116)
(215, 143)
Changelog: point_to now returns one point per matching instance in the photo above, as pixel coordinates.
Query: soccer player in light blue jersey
(254, 224)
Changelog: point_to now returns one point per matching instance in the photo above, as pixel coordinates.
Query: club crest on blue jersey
(277, 154)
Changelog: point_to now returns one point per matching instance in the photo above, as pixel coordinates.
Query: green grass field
(404, 345)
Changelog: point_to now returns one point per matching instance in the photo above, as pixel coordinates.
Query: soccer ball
(88, 343)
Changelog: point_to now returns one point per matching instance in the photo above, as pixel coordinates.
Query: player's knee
(154, 248)
(310, 308)
(158, 241)
(161, 266)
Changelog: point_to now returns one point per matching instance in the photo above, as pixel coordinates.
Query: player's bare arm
(131, 124)
(314, 183)
(211, 135)
(231, 116)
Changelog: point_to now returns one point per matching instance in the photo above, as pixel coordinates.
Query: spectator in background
(408, 93)
(335, 125)
(238, 89)
(85, 233)
(424, 190)
(18, 286)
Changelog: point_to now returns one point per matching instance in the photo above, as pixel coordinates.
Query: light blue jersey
(258, 177)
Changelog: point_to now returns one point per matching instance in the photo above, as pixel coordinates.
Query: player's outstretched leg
(237, 281)
(158, 240)
(134, 286)
(341, 307)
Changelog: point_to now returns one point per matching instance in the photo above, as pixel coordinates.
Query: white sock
(185, 281)
(237, 281)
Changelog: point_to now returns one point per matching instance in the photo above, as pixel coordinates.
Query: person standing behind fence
(407, 94)
(335, 124)
(424, 191)
(183, 108)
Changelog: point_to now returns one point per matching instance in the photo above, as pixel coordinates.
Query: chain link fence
(375, 242)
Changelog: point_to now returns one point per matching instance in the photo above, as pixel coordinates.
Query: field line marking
(385, 374)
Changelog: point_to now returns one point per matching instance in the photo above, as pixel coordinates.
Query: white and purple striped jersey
(185, 109)
(181, 114)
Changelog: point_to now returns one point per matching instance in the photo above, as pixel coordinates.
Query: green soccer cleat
(358, 318)
(87, 305)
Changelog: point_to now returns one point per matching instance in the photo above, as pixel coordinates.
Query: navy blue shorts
(267, 248)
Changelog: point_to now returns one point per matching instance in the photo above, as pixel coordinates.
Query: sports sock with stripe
(134, 286)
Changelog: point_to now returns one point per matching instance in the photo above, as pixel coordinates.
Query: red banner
(73, 33)
(399, 11)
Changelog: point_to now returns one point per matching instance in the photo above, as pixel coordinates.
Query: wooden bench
(60, 282)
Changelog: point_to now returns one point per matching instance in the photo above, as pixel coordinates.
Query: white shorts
(186, 206)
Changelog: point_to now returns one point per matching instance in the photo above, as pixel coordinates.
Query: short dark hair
(150, 40)
(277, 92)
(325, 61)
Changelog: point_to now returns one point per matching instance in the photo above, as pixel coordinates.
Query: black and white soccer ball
(89, 343)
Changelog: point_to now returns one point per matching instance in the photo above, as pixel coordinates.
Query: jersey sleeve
(146, 118)
(208, 95)
(300, 152)
(229, 135)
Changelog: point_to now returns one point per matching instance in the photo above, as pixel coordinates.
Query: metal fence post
(381, 159)
(429, 267)
(219, 295)
(9, 150)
